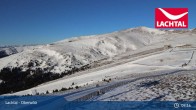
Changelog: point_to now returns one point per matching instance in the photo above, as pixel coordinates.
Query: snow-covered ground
(120, 55)
(171, 60)
(10, 50)
(63, 55)
(173, 87)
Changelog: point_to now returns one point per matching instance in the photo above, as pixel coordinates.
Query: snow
(76, 52)
(118, 48)
(178, 86)
(9, 50)
(174, 59)
(150, 30)
(171, 60)
(90, 78)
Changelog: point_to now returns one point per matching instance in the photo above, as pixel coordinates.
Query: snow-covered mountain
(76, 52)
(121, 54)
(10, 50)
(6, 51)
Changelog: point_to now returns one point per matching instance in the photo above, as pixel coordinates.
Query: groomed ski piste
(137, 64)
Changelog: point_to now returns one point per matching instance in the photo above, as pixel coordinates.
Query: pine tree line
(15, 79)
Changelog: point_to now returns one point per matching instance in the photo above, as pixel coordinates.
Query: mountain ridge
(58, 57)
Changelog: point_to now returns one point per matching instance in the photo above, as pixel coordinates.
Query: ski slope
(171, 61)
(122, 54)
(64, 55)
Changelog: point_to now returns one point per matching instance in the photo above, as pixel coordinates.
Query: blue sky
(46, 21)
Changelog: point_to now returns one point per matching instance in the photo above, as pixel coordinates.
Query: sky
(46, 21)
